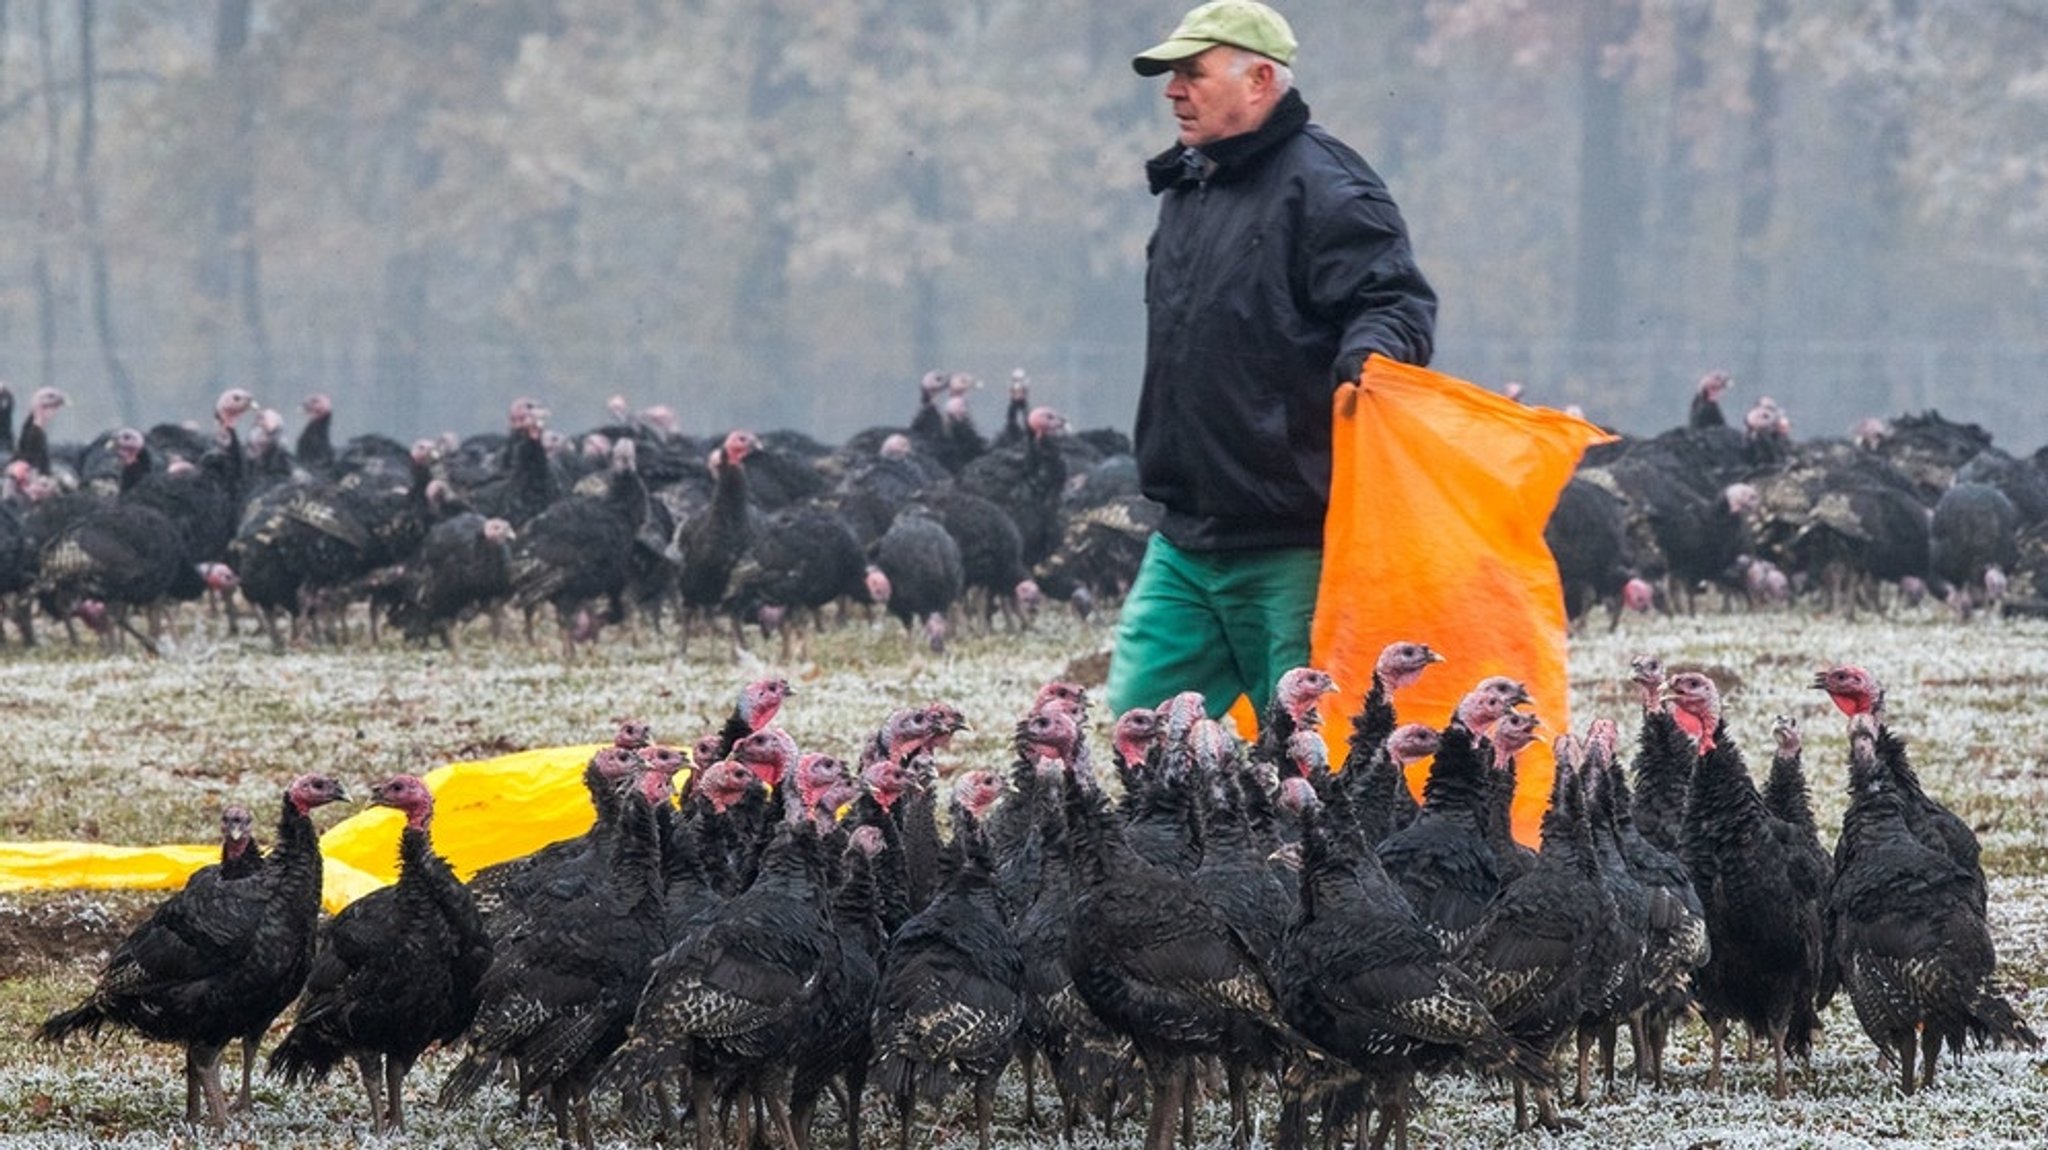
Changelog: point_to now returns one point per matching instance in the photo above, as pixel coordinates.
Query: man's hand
(1349, 367)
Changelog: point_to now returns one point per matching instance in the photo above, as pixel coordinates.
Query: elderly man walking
(1279, 263)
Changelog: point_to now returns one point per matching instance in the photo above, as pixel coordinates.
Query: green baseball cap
(1243, 24)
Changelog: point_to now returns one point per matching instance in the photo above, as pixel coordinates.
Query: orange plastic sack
(1439, 493)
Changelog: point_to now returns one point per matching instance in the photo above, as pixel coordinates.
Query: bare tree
(428, 208)
(1758, 179)
(227, 276)
(129, 404)
(1678, 175)
(48, 194)
(1610, 198)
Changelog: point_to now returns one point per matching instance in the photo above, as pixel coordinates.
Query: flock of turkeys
(636, 522)
(750, 927)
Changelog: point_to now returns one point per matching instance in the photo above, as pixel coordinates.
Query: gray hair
(1242, 59)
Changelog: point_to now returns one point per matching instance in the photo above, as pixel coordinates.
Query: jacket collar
(1226, 159)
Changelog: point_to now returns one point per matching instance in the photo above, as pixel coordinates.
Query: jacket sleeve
(1361, 274)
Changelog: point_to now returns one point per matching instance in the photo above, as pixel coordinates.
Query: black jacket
(1273, 258)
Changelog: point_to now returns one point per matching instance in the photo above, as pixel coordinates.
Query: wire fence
(1825, 385)
(1638, 387)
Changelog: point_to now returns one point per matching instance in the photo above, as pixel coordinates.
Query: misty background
(780, 213)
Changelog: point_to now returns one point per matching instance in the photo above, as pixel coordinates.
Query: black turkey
(1158, 965)
(1291, 709)
(1706, 401)
(32, 446)
(559, 998)
(219, 960)
(304, 544)
(1098, 552)
(1763, 887)
(920, 562)
(801, 560)
(1849, 521)
(464, 568)
(204, 502)
(1619, 986)
(1663, 763)
(838, 1044)
(17, 569)
(1587, 533)
(874, 486)
(943, 425)
(1445, 862)
(1676, 943)
(515, 483)
(240, 857)
(1374, 772)
(1914, 951)
(116, 558)
(993, 576)
(1857, 692)
(519, 895)
(711, 543)
(314, 448)
(949, 1002)
(728, 1000)
(1094, 1069)
(1398, 665)
(1361, 975)
(1027, 481)
(1544, 946)
(578, 551)
(1972, 543)
(396, 970)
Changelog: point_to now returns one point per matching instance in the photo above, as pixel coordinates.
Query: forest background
(780, 213)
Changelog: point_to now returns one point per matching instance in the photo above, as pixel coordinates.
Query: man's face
(1212, 101)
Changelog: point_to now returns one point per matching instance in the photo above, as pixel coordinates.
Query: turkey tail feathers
(467, 1078)
(640, 1062)
(298, 1059)
(56, 1028)
(1993, 1020)
(1524, 1063)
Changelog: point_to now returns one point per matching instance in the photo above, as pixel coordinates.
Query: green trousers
(1222, 623)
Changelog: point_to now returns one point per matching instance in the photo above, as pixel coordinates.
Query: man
(1278, 265)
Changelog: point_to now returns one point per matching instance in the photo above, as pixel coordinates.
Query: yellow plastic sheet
(1439, 494)
(485, 811)
(94, 866)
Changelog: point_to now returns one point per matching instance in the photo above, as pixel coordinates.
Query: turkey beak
(1820, 681)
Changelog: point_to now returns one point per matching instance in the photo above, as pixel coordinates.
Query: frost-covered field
(132, 750)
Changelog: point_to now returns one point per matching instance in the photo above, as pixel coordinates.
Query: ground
(128, 749)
